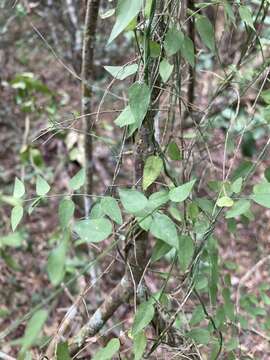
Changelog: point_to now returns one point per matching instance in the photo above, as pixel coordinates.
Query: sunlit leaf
(181, 193)
(165, 70)
(12, 240)
(239, 207)
(77, 180)
(125, 118)
(225, 201)
(126, 11)
(122, 72)
(16, 216)
(93, 230)
(42, 187)
(19, 188)
(152, 168)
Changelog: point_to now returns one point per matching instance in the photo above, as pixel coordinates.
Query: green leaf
(125, 118)
(77, 180)
(229, 10)
(187, 50)
(200, 336)
(237, 185)
(96, 211)
(160, 249)
(157, 199)
(206, 32)
(246, 16)
(152, 168)
(265, 95)
(139, 345)
(132, 200)
(19, 188)
(121, 72)
(108, 351)
(165, 70)
(16, 216)
(238, 208)
(56, 263)
(12, 240)
(42, 187)
(197, 316)
(93, 230)
(225, 201)
(126, 11)
(139, 99)
(181, 193)
(173, 40)
(174, 152)
(62, 352)
(185, 251)
(261, 194)
(163, 228)
(267, 174)
(66, 212)
(110, 207)
(143, 317)
(33, 329)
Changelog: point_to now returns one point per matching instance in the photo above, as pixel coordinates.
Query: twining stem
(87, 76)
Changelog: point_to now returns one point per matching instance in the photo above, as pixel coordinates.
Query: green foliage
(206, 32)
(33, 328)
(78, 180)
(125, 118)
(163, 228)
(126, 11)
(62, 352)
(108, 351)
(110, 207)
(165, 70)
(42, 187)
(181, 193)
(66, 212)
(185, 251)
(132, 200)
(143, 317)
(152, 169)
(16, 216)
(122, 72)
(139, 99)
(139, 345)
(19, 188)
(246, 16)
(173, 41)
(94, 230)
